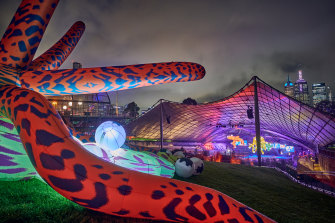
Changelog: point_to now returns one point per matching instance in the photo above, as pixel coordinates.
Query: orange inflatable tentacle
(54, 57)
(24, 33)
(104, 79)
(96, 184)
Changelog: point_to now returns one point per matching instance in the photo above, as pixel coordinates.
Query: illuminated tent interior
(282, 119)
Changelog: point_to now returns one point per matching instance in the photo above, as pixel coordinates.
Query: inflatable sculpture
(60, 160)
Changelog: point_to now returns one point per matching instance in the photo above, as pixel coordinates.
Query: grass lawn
(265, 190)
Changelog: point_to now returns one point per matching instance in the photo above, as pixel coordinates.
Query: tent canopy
(282, 118)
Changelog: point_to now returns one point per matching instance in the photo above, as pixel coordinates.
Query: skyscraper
(301, 89)
(289, 87)
(319, 93)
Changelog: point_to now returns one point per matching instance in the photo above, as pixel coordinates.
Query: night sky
(233, 40)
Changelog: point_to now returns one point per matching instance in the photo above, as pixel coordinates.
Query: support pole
(161, 122)
(257, 123)
(116, 105)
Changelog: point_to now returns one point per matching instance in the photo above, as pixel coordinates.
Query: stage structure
(282, 118)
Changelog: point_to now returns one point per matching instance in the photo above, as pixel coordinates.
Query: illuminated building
(301, 89)
(289, 87)
(319, 91)
(282, 119)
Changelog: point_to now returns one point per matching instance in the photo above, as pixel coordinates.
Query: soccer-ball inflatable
(184, 167)
(110, 135)
(198, 165)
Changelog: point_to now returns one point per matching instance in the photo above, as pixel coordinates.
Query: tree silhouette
(190, 101)
(132, 110)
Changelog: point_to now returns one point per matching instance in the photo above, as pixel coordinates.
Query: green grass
(265, 190)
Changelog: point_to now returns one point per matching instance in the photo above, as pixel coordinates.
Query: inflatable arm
(54, 57)
(93, 183)
(103, 79)
(23, 35)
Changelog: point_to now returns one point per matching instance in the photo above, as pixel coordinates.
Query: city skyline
(233, 40)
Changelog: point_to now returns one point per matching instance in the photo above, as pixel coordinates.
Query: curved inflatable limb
(24, 33)
(54, 57)
(93, 183)
(104, 79)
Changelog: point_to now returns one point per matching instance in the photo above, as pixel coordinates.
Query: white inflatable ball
(198, 165)
(179, 154)
(184, 167)
(110, 135)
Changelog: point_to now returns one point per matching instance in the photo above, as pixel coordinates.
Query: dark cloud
(232, 39)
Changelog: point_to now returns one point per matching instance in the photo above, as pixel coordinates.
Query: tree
(190, 101)
(132, 110)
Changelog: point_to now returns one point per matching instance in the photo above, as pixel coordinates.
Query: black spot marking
(192, 210)
(72, 185)
(146, 214)
(122, 212)
(125, 179)
(51, 162)
(67, 154)
(38, 113)
(179, 192)
(97, 166)
(209, 206)
(33, 100)
(233, 220)
(169, 210)
(173, 184)
(80, 172)
(25, 124)
(104, 176)
(99, 200)
(234, 205)
(21, 107)
(188, 188)
(246, 217)
(117, 172)
(124, 189)
(46, 138)
(22, 94)
(30, 153)
(157, 194)
(223, 206)
(259, 219)
(163, 186)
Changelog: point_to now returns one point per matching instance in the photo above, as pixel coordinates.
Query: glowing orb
(110, 135)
